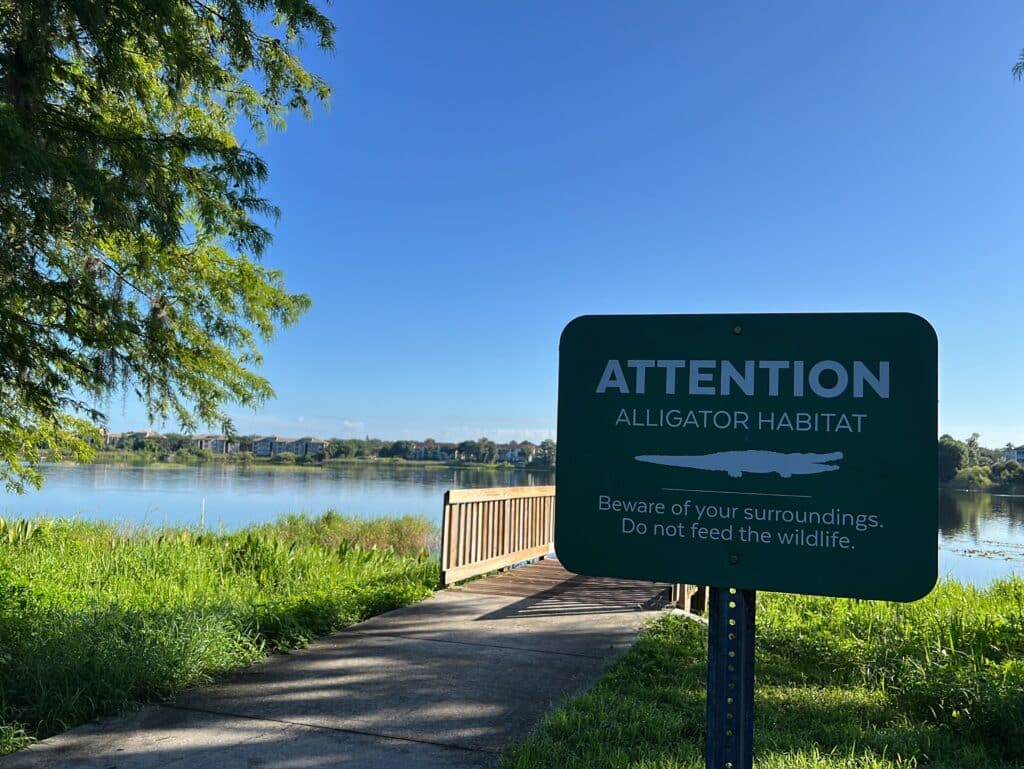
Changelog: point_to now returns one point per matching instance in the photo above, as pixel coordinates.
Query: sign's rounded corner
(570, 327)
(924, 324)
(565, 557)
(923, 591)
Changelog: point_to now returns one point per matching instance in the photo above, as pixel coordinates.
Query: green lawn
(843, 684)
(95, 619)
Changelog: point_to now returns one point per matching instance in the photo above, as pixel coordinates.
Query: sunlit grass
(407, 535)
(96, 618)
(842, 684)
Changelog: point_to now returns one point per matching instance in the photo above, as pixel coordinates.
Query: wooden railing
(486, 530)
(690, 598)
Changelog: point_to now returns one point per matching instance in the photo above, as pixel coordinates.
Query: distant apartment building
(1016, 454)
(272, 445)
(518, 453)
(129, 440)
(218, 444)
(436, 451)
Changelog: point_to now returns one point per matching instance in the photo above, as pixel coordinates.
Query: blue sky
(488, 171)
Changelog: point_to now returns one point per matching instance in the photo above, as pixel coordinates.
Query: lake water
(231, 497)
(981, 536)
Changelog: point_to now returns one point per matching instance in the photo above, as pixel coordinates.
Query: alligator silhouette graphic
(738, 462)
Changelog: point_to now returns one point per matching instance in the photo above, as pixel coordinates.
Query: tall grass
(842, 684)
(95, 619)
(407, 535)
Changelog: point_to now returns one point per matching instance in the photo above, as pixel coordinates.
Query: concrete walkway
(443, 683)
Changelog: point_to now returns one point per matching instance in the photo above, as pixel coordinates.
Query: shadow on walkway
(446, 682)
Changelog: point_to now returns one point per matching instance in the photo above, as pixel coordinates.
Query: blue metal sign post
(730, 735)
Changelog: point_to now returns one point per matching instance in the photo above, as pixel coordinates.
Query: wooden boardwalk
(484, 531)
(546, 588)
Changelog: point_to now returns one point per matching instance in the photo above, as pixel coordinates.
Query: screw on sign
(749, 452)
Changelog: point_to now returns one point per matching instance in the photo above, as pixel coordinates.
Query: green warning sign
(793, 453)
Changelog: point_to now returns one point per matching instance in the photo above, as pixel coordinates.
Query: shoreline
(995, 490)
(120, 459)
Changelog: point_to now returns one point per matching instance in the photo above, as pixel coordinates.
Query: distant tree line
(167, 447)
(482, 451)
(968, 464)
(177, 447)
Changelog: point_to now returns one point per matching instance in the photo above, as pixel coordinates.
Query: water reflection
(232, 497)
(981, 536)
(977, 515)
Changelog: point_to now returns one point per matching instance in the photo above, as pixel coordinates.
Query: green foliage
(397, 449)
(951, 457)
(242, 457)
(969, 465)
(171, 442)
(201, 455)
(469, 450)
(284, 458)
(1009, 473)
(130, 216)
(953, 661)
(170, 448)
(972, 450)
(487, 451)
(987, 456)
(407, 535)
(94, 620)
(267, 560)
(21, 531)
(546, 453)
(841, 684)
(973, 477)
